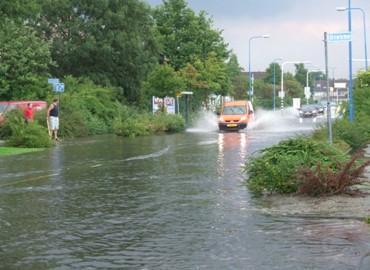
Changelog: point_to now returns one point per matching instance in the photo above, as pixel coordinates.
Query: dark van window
(234, 110)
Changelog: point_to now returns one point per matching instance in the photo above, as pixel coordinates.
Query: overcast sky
(296, 30)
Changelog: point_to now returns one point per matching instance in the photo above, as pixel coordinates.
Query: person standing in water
(53, 119)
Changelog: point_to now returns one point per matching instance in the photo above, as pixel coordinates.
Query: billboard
(167, 104)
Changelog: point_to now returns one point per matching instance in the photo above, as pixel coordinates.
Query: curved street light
(249, 63)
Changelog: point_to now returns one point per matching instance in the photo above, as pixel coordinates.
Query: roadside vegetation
(113, 59)
(309, 165)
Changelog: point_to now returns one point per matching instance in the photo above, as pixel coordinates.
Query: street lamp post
(249, 64)
(364, 26)
(282, 94)
(274, 81)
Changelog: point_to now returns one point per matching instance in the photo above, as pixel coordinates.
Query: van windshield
(234, 110)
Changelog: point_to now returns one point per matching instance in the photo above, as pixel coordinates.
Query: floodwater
(163, 202)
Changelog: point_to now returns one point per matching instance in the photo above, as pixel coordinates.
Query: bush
(87, 109)
(131, 127)
(167, 123)
(20, 134)
(324, 180)
(133, 124)
(276, 168)
(356, 134)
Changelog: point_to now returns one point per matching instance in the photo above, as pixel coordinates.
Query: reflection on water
(161, 202)
(234, 145)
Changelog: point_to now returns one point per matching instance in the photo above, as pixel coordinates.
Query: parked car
(309, 110)
(6, 106)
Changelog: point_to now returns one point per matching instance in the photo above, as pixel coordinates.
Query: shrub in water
(325, 180)
(20, 134)
(276, 168)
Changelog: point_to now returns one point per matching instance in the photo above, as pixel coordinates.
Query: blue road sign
(58, 87)
(339, 37)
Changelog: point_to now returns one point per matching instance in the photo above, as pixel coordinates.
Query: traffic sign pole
(328, 107)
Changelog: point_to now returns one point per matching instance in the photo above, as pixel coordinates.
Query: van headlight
(243, 118)
(221, 119)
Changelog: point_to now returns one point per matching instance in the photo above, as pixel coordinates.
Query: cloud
(296, 29)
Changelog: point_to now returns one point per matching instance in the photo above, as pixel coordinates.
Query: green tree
(111, 42)
(163, 81)
(293, 89)
(239, 87)
(205, 78)
(269, 78)
(300, 73)
(263, 94)
(186, 37)
(24, 62)
(233, 67)
(19, 10)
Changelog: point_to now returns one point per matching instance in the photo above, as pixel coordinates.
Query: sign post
(328, 107)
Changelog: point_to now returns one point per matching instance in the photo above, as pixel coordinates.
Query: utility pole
(328, 107)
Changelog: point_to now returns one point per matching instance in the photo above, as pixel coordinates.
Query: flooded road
(161, 202)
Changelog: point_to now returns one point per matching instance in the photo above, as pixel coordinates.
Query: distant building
(338, 90)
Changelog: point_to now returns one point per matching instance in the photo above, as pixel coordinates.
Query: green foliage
(239, 87)
(131, 123)
(367, 220)
(163, 81)
(19, 10)
(293, 89)
(4, 151)
(186, 36)
(276, 169)
(132, 127)
(356, 134)
(263, 93)
(87, 109)
(269, 78)
(168, 122)
(325, 180)
(300, 74)
(362, 95)
(19, 134)
(238, 81)
(205, 78)
(24, 62)
(111, 42)
(363, 79)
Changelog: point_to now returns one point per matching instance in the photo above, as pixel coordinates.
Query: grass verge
(6, 151)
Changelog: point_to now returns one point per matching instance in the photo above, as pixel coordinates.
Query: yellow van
(235, 115)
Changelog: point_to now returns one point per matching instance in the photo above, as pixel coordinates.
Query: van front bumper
(231, 126)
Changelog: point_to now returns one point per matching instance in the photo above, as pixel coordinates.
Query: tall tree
(163, 81)
(24, 62)
(185, 36)
(269, 78)
(19, 10)
(300, 73)
(239, 86)
(110, 41)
